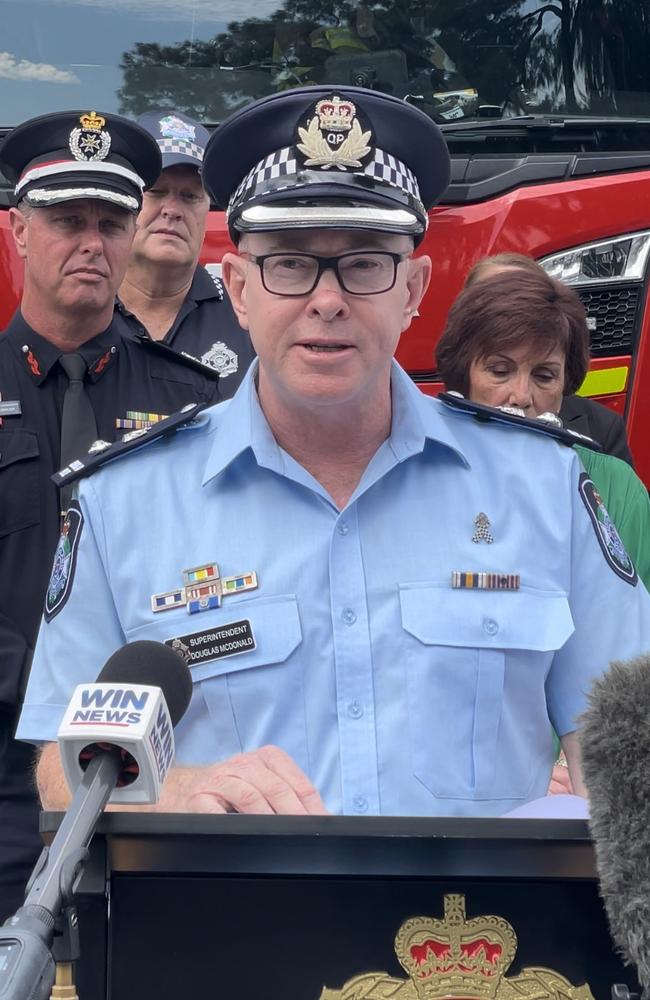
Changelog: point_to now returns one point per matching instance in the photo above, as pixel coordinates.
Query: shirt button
(343, 528)
(355, 711)
(349, 616)
(360, 803)
(490, 626)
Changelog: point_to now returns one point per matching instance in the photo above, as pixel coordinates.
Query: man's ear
(417, 282)
(233, 272)
(19, 225)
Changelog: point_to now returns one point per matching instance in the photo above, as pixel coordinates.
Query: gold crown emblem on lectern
(458, 959)
(455, 957)
(92, 121)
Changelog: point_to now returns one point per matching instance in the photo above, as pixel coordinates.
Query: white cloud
(199, 10)
(22, 69)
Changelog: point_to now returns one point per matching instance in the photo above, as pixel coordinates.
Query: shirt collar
(38, 356)
(417, 418)
(205, 286)
(242, 425)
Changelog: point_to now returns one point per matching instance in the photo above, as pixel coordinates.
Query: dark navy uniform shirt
(122, 376)
(207, 328)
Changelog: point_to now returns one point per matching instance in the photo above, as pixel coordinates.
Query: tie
(78, 426)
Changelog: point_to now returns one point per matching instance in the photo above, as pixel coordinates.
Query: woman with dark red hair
(517, 338)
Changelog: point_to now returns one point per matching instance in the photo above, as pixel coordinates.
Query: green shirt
(626, 498)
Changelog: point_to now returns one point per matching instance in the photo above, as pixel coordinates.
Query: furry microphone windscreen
(615, 744)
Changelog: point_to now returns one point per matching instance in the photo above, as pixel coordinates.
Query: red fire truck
(545, 108)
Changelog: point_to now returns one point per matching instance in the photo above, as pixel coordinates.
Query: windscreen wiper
(524, 123)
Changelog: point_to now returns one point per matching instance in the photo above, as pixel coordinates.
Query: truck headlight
(623, 258)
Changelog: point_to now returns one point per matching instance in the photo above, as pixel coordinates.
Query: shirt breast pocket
(20, 506)
(241, 700)
(476, 664)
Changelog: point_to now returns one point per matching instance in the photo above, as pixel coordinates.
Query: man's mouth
(325, 348)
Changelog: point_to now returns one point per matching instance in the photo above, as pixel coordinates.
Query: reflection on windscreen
(456, 59)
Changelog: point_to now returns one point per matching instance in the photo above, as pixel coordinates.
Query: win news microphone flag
(138, 718)
(133, 750)
(615, 744)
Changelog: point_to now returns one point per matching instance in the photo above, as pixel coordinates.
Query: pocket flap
(17, 446)
(274, 625)
(520, 619)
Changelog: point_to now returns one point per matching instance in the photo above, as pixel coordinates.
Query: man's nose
(171, 206)
(92, 240)
(328, 300)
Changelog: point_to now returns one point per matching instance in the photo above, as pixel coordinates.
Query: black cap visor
(338, 201)
(39, 196)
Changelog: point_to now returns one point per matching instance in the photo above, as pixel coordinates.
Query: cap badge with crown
(333, 136)
(91, 141)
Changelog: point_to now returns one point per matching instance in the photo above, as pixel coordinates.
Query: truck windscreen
(456, 59)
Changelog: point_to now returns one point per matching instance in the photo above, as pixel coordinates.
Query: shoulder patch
(180, 357)
(65, 561)
(488, 414)
(608, 537)
(101, 452)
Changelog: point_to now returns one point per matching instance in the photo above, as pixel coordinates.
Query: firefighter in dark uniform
(68, 381)
(166, 294)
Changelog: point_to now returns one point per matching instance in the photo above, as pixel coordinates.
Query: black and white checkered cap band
(383, 167)
(184, 146)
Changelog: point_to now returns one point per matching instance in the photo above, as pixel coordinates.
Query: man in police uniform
(66, 378)
(386, 622)
(166, 293)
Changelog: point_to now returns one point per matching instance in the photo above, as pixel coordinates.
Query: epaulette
(102, 452)
(180, 357)
(486, 414)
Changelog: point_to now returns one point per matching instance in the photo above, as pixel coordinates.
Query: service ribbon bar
(484, 581)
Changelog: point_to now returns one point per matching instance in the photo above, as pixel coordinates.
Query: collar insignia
(332, 136)
(90, 142)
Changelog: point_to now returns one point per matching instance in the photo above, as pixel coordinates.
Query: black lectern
(302, 908)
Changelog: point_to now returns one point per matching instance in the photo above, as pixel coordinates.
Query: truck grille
(612, 316)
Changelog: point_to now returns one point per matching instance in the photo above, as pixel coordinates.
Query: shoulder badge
(100, 453)
(487, 414)
(606, 533)
(65, 560)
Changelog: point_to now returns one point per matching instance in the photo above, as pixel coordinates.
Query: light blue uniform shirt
(395, 693)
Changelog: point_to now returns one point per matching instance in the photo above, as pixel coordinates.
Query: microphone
(99, 755)
(615, 744)
(134, 706)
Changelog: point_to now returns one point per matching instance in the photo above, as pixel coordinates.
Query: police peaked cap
(327, 156)
(181, 140)
(80, 154)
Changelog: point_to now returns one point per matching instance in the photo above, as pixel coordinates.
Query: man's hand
(263, 781)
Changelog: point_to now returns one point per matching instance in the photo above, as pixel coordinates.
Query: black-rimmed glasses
(358, 272)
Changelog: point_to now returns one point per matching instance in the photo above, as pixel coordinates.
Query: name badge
(214, 643)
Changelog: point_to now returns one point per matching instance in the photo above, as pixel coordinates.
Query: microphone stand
(28, 945)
